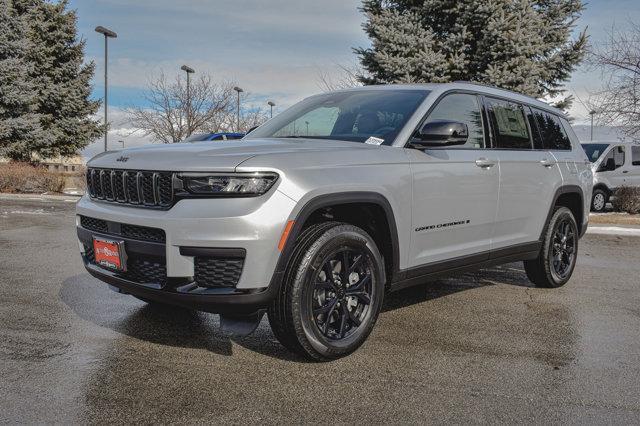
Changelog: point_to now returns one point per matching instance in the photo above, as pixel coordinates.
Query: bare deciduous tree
(347, 78)
(165, 115)
(618, 101)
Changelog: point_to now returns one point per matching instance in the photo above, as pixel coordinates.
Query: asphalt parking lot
(480, 347)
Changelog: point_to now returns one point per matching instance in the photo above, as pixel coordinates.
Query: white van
(614, 164)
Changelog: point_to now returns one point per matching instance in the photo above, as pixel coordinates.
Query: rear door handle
(625, 171)
(547, 163)
(485, 163)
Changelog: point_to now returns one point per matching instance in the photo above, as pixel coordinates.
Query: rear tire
(599, 200)
(557, 259)
(325, 310)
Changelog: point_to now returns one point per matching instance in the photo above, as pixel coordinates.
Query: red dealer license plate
(109, 253)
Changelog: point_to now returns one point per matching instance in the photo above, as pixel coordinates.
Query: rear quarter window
(553, 134)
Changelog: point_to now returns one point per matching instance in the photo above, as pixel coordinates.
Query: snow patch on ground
(613, 230)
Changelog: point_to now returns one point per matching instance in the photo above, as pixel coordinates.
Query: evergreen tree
(61, 81)
(19, 124)
(521, 45)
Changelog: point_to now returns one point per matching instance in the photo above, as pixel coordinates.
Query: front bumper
(225, 301)
(192, 230)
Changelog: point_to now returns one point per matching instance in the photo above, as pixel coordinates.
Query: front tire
(331, 294)
(599, 200)
(557, 259)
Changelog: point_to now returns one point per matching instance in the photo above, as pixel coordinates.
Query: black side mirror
(441, 133)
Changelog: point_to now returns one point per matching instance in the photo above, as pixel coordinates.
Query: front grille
(217, 272)
(133, 187)
(93, 224)
(143, 233)
(135, 232)
(146, 270)
(141, 269)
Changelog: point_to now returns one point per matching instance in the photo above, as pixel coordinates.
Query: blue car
(199, 137)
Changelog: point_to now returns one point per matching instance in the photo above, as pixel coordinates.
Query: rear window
(553, 135)
(509, 124)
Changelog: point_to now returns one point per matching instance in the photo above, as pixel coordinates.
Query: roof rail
(501, 88)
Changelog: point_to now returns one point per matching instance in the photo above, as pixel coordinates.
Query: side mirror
(441, 133)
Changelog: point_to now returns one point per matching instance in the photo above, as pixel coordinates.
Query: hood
(212, 156)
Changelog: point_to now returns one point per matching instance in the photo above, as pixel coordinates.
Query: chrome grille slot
(133, 187)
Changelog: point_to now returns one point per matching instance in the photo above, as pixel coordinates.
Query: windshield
(372, 116)
(594, 150)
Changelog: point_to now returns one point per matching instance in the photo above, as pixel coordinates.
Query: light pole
(592, 113)
(307, 123)
(271, 105)
(107, 33)
(239, 90)
(188, 70)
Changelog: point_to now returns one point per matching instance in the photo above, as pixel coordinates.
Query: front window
(594, 150)
(372, 116)
(613, 160)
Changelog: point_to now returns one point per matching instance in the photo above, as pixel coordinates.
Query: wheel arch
(386, 239)
(603, 187)
(571, 197)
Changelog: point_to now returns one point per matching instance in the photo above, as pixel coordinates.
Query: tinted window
(374, 115)
(551, 130)
(463, 108)
(635, 155)
(509, 124)
(594, 150)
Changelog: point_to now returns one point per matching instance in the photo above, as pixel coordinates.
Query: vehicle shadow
(173, 326)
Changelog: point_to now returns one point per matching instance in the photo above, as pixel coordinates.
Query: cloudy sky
(274, 49)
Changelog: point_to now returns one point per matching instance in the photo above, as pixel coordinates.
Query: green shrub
(27, 178)
(627, 199)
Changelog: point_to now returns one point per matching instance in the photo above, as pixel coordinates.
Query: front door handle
(625, 171)
(485, 163)
(547, 163)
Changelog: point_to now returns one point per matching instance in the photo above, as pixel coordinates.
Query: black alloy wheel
(342, 293)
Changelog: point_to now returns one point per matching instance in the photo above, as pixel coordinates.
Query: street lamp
(592, 113)
(107, 33)
(307, 123)
(271, 105)
(239, 90)
(122, 142)
(188, 70)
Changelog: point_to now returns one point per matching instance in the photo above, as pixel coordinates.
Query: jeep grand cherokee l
(345, 196)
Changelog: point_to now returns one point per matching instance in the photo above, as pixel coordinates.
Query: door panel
(527, 187)
(528, 177)
(454, 203)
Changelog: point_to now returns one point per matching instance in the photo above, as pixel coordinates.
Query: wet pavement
(480, 347)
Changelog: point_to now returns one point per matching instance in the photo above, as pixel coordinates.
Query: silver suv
(343, 197)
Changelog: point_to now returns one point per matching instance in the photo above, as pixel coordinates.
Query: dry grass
(26, 178)
(614, 218)
(627, 199)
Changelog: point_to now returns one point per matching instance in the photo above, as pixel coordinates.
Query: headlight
(247, 184)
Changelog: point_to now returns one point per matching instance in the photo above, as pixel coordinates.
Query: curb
(40, 197)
